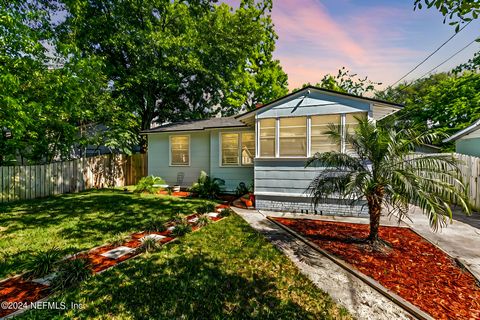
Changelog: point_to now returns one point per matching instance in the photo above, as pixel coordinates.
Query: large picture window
(179, 150)
(320, 140)
(237, 148)
(267, 137)
(293, 137)
(351, 123)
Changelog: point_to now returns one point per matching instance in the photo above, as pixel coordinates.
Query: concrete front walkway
(362, 301)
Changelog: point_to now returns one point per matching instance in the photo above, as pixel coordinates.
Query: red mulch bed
(413, 268)
(181, 194)
(19, 290)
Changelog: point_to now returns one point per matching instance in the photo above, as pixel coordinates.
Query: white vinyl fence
(470, 169)
(29, 182)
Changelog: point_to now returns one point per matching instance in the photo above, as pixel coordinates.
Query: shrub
(148, 245)
(241, 189)
(181, 229)
(42, 263)
(205, 208)
(117, 239)
(207, 187)
(203, 221)
(226, 212)
(146, 184)
(71, 272)
(155, 226)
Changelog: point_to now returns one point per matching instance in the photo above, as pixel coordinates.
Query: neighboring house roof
(196, 125)
(475, 126)
(397, 105)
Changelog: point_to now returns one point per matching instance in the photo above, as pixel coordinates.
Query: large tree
(385, 173)
(173, 60)
(51, 99)
(442, 103)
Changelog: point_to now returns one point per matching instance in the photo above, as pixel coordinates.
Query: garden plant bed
(180, 194)
(413, 268)
(19, 290)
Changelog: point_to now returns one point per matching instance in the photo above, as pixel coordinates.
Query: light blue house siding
(232, 175)
(204, 155)
(468, 146)
(159, 157)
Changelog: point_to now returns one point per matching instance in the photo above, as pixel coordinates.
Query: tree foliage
(75, 73)
(346, 81)
(455, 12)
(384, 172)
(51, 100)
(174, 60)
(442, 103)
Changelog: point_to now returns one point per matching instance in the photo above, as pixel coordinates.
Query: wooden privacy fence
(29, 182)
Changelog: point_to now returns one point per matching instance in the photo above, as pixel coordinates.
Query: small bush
(117, 239)
(146, 184)
(42, 263)
(181, 229)
(207, 187)
(241, 189)
(155, 226)
(202, 221)
(71, 272)
(226, 212)
(205, 208)
(148, 245)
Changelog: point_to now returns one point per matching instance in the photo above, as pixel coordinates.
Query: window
(267, 137)
(230, 149)
(237, 148)
(248, 147)
(351, 124)
(321, 141)
(180, 150)
(293, 137)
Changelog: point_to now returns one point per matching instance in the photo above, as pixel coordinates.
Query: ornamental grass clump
(42, 263)
(71, 272)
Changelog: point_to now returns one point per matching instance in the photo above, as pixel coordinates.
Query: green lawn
(223, 271)
(77, 222)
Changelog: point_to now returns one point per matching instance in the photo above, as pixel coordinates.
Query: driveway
(461, 238)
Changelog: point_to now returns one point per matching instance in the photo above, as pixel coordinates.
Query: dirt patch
(414, 269)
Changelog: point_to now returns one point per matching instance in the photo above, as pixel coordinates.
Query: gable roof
(196, 125)
(475, 126)
(321, 90)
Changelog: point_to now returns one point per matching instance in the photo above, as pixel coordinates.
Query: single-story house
(267, 146)
(467, 141)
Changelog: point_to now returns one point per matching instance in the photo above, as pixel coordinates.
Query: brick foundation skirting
(304, 205)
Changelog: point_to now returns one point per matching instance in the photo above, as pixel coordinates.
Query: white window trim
(239, 151)
(170, 150)
(343, 143)
(343, 121)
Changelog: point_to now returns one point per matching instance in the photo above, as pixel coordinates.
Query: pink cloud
(312, 43)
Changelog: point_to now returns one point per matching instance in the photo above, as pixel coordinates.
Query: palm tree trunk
(375, 211)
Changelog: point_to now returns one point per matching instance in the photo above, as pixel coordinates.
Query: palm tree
(383, 171)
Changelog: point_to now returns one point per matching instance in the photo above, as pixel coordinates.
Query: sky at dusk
(379, 39)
